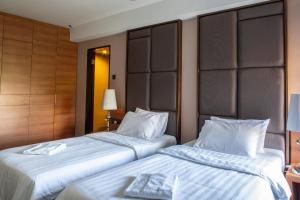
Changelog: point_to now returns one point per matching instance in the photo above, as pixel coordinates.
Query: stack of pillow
(240, 137)
(144, 124)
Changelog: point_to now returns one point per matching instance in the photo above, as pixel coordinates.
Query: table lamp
(293, 123)
(109, 103)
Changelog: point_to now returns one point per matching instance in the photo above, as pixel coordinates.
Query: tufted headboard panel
(242, 67)
(153, 79)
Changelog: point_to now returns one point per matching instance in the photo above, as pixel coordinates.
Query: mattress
(196, 181)
(275, 156)
(43, 177)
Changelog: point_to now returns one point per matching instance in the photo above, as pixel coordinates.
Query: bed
(199, 177)
(43, 177)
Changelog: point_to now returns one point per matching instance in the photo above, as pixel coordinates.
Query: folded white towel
(153, 186)
(49, 149)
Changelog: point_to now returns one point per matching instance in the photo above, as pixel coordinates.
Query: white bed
(43, 177)
(221, 176)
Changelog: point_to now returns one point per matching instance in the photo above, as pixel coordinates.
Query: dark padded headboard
(154, 71)
(242, 67)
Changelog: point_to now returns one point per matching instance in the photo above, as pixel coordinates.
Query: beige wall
(189, 80)
(293, 46)
(189, 72)
(117, 67)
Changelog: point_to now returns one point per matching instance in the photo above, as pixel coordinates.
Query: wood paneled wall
(37, 82)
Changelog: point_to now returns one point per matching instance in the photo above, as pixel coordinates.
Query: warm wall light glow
(102, 51)
(100, 84)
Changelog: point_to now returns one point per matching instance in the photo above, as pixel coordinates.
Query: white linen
(232, 138)
(49, 149)
(141, 125)
(163, 121)
(141, 147)
(196, 181)
(24, 177)
(274, 156)
(153, 186)
(262, 131)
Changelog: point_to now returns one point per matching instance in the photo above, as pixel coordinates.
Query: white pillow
(262, 132)
(230, 138)
(139, 125)
(163, 122)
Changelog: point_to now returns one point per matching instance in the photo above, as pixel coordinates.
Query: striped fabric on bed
(195, 181)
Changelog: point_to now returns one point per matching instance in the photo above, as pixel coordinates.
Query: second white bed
(202, 175)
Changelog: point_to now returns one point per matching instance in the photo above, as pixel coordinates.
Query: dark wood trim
(179, 80)
(151, 26)
(90, 76)
(179, 70)
(288, 134)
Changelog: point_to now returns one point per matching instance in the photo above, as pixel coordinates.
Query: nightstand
(116, 118)
(294, 183)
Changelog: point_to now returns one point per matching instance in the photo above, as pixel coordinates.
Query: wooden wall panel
(63, 34)
(65, 48)
(44, 48)
(43, 75)
(1, 26)
(64, 121)
(17, 28)
(45, 32)
(37, 90)
(13, 125)
(41, 118)
(14, 100)
(1, 41)
(15, 77)
(17, 47)
(66, 75)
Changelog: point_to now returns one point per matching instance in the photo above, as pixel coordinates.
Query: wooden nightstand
(116, 118)
(294, 183)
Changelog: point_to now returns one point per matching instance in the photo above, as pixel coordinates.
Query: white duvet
(202, 174)
(34, 177)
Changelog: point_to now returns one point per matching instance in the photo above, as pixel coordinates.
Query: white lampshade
(109, 100)
(293, 123)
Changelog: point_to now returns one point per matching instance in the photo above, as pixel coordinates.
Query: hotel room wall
(189, 70)
(35, 71)
(293, 7)
(118, 67)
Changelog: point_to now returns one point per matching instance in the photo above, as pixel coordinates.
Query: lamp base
(108, 121)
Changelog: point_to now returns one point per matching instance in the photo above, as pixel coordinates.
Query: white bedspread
(216, 180)
(34, 177)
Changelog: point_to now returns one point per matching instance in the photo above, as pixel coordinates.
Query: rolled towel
(49, 149)
(153, 186)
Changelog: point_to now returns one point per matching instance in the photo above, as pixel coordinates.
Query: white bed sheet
(196, 181)
(34, 177)
(274, 156)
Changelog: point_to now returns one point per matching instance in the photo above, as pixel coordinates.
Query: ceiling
(70, 12)
(91, 19)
